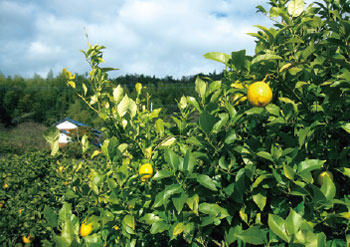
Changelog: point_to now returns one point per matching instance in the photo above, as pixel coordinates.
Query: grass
(24, 137)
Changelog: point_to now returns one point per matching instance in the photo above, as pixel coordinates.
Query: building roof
(79, 124)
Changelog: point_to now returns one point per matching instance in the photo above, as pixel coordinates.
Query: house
(69, 130)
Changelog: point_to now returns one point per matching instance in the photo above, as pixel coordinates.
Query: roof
(79, 124)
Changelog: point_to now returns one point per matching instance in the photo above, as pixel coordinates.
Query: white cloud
(153, 37)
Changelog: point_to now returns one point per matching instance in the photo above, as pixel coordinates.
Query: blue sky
(151, 37)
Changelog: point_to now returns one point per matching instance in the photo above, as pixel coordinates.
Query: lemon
(5, 186)
(320, 179)
(85, 229)
(146, 171)
(26, 240)
(259, 94)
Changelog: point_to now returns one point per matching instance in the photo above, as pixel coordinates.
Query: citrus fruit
(26, 240)
(259, 94)
(5, 186)
(146, 171)
(85, 229)
(320, 178)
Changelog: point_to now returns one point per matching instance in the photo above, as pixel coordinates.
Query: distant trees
(46, 100)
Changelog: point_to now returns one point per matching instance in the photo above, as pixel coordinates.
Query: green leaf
(328, 188)
(118, 93)
(265, 57)
(162, 174)
(193, 202)
(238, 59)
(178, 229)
(193, 102)
(160, 127)
(295, 7)
(288, 171)
(52, 135)
(50, 216)
(200, 87)
(189, 162)
(277, 225)
(231, 137)
(138, 88)
(253, 235)
(265, 155)
(123, 106)
(310, 165)
(260, 198)
(217, 56)
(206, 122)
(159, 227)
(213, 209)
(293, 222)
(179, 202)
(346, 127)
(172, 159)
(171, 190)
(206, 182)
(129, 220)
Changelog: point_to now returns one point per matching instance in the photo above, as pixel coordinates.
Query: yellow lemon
(146, 171)
(116, 228)
(61, 168)
(85, 229)
(26, 240)
(259, 94)
(20, 211)
(1, 204)
(320, 178)
(5, 186)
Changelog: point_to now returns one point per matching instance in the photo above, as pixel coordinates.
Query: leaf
(179, 202)
(346, 127)
(193, 102)
(265, 57)
(328, 188)
(217, 56)
(293, 222)
(123, 106)
(179, 228)
(200, 87)
(253, 235)
(171, 190)
(167, 142)
(159, 226)
(265, 155)
(260, 199)
(213, 209)
(138, 88)
(295, 7)
(118, 93)
(160, 127)
(162, 174)
(288, 171)
(192, 203)
(50, 216)
(172, 159)
(189, 162)
(206, 122)
(277, 225)
(310, 165)
(71, 83)
(207, 182)
(129, 221)
(52, 135)
(238, 59)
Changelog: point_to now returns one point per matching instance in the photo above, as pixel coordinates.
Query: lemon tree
(226, 172)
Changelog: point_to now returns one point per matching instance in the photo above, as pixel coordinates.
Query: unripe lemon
(320, 178)
(85, 229)
(146, 171)
(259, 94)
(26, 240)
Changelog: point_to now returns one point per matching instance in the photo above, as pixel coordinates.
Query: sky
(150, 37)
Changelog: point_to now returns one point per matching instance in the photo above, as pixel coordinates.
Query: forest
(47, 100)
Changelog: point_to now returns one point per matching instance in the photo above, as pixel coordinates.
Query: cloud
(152, 37)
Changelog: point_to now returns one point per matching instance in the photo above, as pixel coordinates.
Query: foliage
(234, 174)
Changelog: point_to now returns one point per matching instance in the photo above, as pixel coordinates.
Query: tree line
(47, 100)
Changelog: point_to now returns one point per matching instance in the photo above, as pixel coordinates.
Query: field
(259, 157)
